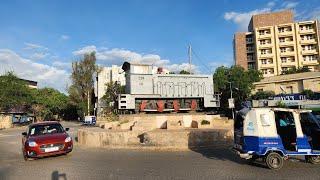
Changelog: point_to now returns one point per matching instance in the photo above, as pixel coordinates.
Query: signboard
(231, 103)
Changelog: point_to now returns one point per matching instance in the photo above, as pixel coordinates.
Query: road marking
(6, 135)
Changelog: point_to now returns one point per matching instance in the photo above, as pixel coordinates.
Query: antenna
(190, 57)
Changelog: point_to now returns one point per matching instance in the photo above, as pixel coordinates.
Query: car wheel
(274, 161)
(313, 159)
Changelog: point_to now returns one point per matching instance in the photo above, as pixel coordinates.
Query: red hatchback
(46, 139)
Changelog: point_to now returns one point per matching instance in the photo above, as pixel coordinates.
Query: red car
(46, 139)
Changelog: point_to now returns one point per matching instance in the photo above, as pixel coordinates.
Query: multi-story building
(275, 43)
(106, 75)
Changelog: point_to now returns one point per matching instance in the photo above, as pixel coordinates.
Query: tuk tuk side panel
(260, 135)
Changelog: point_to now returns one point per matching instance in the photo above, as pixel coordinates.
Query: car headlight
(68, 139)
(32, 144)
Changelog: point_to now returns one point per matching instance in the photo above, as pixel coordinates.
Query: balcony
(263, 36)
(287, 53)
(313, 62)
(307, 31)
(267, 65)
(306, 52)
(267, 45)
(268, 55)
(308, 41)
(286, 43)
(288, 63)
(285, 33)
(250, 50)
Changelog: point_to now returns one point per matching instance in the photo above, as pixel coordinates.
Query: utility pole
(231, 98)
(190, 57)
(88, 96)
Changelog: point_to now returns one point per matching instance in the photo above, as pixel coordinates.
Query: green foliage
(281, 104)
(184, 72)
(295, 70)
(262, 95)
(205, 122)
(111, 95)
(45, 104)
(82, 77)
(14, 93)
(241, 83)
(309, 93)
(49, 102)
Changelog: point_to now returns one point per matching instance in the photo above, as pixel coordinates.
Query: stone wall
(5, 121)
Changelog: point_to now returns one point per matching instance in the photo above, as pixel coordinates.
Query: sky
(40, 39)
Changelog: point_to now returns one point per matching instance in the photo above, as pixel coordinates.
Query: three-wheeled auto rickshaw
(276, 134)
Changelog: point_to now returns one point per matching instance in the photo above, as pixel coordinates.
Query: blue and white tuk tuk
(276, 134)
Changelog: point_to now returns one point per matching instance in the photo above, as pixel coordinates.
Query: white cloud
(85, 50)
(64, 37)
(62, 65)
(242, 18)
(34, 46)
(289, 4)
(45, 75)
(271, 4)
(38, 55)
(106, 57)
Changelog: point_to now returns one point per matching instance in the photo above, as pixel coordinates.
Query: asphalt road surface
(89, 163)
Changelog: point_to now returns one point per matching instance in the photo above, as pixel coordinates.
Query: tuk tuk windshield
(309, 118)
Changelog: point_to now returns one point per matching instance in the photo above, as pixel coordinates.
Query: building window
(262, 42)
(283, 60)
(251, 66)
(309, 27)
(260, 90)
(283, 49)
(271, 71)
(281, 30)
(289, 29)
(282, 39)
(301, 28)
(249, 40)
(263, 51)
(263, 61)
(261, 32)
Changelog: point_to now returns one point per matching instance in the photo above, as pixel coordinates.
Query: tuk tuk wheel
(313, 159)
(274, 161)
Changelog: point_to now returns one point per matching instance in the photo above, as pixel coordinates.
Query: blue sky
(39, 39)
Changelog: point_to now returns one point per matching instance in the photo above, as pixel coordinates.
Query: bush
(262, 95)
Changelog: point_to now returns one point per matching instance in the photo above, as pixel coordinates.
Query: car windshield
(45, 129)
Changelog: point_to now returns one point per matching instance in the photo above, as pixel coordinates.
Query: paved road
(86, 163)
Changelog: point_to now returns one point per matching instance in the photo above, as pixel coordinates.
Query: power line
(203, 64)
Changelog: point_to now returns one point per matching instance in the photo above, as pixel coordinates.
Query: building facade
(290, 83)
(106, 75)
(275, 43)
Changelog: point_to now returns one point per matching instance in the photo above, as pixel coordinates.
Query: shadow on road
(58, 176)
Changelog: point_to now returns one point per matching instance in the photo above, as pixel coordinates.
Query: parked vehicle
(276, 134)
(46, 139)
(90, 120)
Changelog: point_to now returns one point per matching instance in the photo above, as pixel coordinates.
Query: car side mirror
(24, 134)
(67, 129)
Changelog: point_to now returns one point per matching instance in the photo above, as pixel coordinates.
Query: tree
(111, 95)
(262, 95)
(14, 93)
(295, 70)
(241, 83)
(82, 77)
(184, 72)
(49, 103)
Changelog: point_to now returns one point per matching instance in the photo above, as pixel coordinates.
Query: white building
(107, 75)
